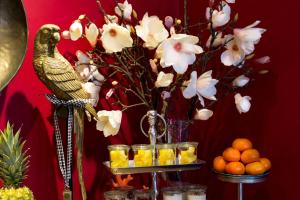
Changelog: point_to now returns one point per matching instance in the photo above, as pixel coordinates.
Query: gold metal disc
(13, 39)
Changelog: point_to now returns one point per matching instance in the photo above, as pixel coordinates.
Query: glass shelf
(166, 168)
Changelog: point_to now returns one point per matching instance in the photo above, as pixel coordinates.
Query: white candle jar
(195, 192)
(142, 195)
(173, 195)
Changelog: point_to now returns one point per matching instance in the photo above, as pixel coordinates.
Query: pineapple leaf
(14, 161)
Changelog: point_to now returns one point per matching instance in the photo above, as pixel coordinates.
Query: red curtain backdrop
(272, 124)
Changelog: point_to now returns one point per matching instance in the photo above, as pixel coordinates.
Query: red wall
(272, 122)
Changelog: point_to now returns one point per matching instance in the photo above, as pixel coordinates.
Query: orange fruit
(255, 168)
(266, 163)
(242, 144)
(231, 155)
(235, 168)
(249, 156)
(219, 164)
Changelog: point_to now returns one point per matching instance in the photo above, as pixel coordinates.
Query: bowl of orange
(241, 162)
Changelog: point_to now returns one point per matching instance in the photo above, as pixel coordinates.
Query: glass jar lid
(142, 146)
(173, 192)
(118, 147)
(185, 145)
(142, 193)
(195, 187)
(166, 146)
(115, 194)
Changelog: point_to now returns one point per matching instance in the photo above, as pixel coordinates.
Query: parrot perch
(60, 77)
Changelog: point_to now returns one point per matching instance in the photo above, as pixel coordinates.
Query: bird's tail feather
(91, 110)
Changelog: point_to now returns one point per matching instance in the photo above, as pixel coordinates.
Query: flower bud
(263, 60)
(240, 81)
(81, 17)
(66, 35)
(169, 21)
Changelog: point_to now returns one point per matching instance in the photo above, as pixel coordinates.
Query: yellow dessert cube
(166, 157)
(187, 156)
(143, 157)
(118, 159)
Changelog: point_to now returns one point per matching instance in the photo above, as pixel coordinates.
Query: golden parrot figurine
(54, 70)
(60, 77)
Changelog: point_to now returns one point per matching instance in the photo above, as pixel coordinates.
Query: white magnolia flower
(219, 17)
(230, 1)
(248, 36)
(263, 60)
(242, 43)
(93, 90)
(87, 71)
(234, 55)
(172, 30)
(240, 81)
(124, 10)
(75, 30)
(219, 40)
(114, 38)
(242, 103)
(203, 87)
(66, 35)
(109, 122)
(152, 31)
(91, 33)
(203, 114)
(164, 80)
(178, 51)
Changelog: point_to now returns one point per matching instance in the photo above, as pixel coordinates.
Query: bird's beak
(56, 36)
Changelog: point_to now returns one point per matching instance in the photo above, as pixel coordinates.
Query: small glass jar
(128, 190)
(118, 156)
(195, 192)
(142, 195)
(166, 154)
(115, 195)
(143, 155)
(187, 152)
(173, 194)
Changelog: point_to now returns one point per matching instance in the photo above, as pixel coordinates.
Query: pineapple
(13, 166)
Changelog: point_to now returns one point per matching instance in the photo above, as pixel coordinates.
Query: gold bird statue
(54, 70)
(60, 77)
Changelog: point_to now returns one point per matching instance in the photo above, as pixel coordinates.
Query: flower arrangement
(152, 59)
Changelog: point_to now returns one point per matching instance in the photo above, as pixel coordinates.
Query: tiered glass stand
(131, 169)
(153, 137)
(240, 180)
(154, 169)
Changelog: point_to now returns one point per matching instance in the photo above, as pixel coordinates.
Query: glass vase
(178, 130)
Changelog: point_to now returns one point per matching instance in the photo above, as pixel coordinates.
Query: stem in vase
(185, 15)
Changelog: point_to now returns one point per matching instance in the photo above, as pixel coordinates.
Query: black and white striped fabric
(70, 104)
